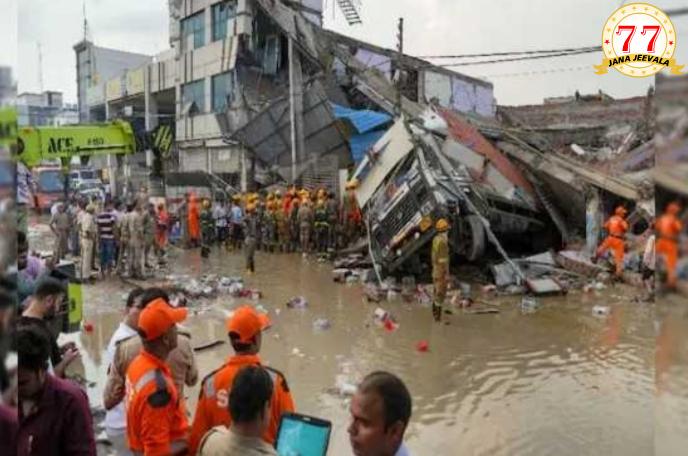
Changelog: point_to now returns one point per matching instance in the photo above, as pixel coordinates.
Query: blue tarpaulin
(369, 125)
(361, 143)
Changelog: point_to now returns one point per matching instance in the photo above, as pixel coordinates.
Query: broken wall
(459, 94)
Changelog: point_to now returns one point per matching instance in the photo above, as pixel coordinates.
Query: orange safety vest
(213, 400)
(668, 227)
(616, 226)
(156, 419)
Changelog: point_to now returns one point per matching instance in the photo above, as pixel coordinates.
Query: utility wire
(528, 73)
(502, 54)
(487, 62)
(518, 59)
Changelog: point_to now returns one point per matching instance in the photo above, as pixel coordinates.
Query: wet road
(559, 381)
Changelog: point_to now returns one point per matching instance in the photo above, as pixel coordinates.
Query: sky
(431, 27)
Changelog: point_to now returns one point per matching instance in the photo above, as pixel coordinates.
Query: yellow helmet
(442, 225)
(352, 184)
(206, 204)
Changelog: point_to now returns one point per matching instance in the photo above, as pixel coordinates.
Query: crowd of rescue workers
(129, 237)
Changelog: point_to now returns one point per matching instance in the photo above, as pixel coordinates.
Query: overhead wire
(509, 53)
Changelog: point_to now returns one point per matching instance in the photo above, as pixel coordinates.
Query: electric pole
(400, 48)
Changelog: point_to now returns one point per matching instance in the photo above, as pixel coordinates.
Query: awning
(369, 125)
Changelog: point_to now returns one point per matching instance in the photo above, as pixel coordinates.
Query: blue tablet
(301, 435)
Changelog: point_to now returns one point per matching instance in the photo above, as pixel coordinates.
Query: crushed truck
(435, 167)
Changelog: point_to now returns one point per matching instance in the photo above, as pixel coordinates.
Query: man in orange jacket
(245, 333)
(669, 228)
(615, 241)
(156, 419)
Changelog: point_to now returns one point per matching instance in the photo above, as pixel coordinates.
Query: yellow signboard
(135, 81)
(113, 89)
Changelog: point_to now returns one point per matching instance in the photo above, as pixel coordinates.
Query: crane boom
(38, 144)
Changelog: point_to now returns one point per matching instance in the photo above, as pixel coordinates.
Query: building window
(223, 91)
(193, 31)
(194, 93)
(222, 13)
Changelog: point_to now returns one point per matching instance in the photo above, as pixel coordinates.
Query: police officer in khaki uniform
(123, 236)
(305, 217)
(135, 226)
(87, 235)
(181, 360)
(440, 267)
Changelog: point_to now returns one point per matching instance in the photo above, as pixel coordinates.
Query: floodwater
(558, 381)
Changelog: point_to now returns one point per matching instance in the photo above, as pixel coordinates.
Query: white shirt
(649, 254)
(402, 451)
(116, 418)
(24, 184)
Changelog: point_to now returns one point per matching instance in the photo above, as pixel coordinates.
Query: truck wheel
(475, 243)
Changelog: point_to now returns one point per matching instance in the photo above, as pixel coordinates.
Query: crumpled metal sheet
(268, 134)
(465, 133)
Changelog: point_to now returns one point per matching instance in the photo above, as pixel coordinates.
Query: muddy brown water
(558, 381)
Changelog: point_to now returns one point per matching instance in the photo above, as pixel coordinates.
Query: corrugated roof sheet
(360, 144)
(363, 120)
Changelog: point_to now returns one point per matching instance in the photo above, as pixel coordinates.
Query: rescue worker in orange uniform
(615, 241)
(245, 329)
(193, 221)
(156, 419)
(669, 228)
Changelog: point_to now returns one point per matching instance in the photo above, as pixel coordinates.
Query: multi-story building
(7, 86)
(95, 66)
(45, 108)
(229, 66)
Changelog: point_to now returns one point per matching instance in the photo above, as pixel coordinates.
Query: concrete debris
(298, 302)
(344, 387)
(578, 262)
(529, 305)
(490, 288)
(601, 311)
(373, 293)
(321, 324)
(340, 274)
(482, 311)
(385, 319)
(594, 286)
(533, 267)
(545, 286)
(208, 286)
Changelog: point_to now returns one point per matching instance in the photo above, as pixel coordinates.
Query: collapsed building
(264, 94)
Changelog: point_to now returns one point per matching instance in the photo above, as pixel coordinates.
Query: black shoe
(437, 312)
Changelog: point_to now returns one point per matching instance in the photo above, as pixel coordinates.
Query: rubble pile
(211, 286)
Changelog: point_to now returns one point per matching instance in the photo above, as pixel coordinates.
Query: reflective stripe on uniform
(145, 379)
(209, 387)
